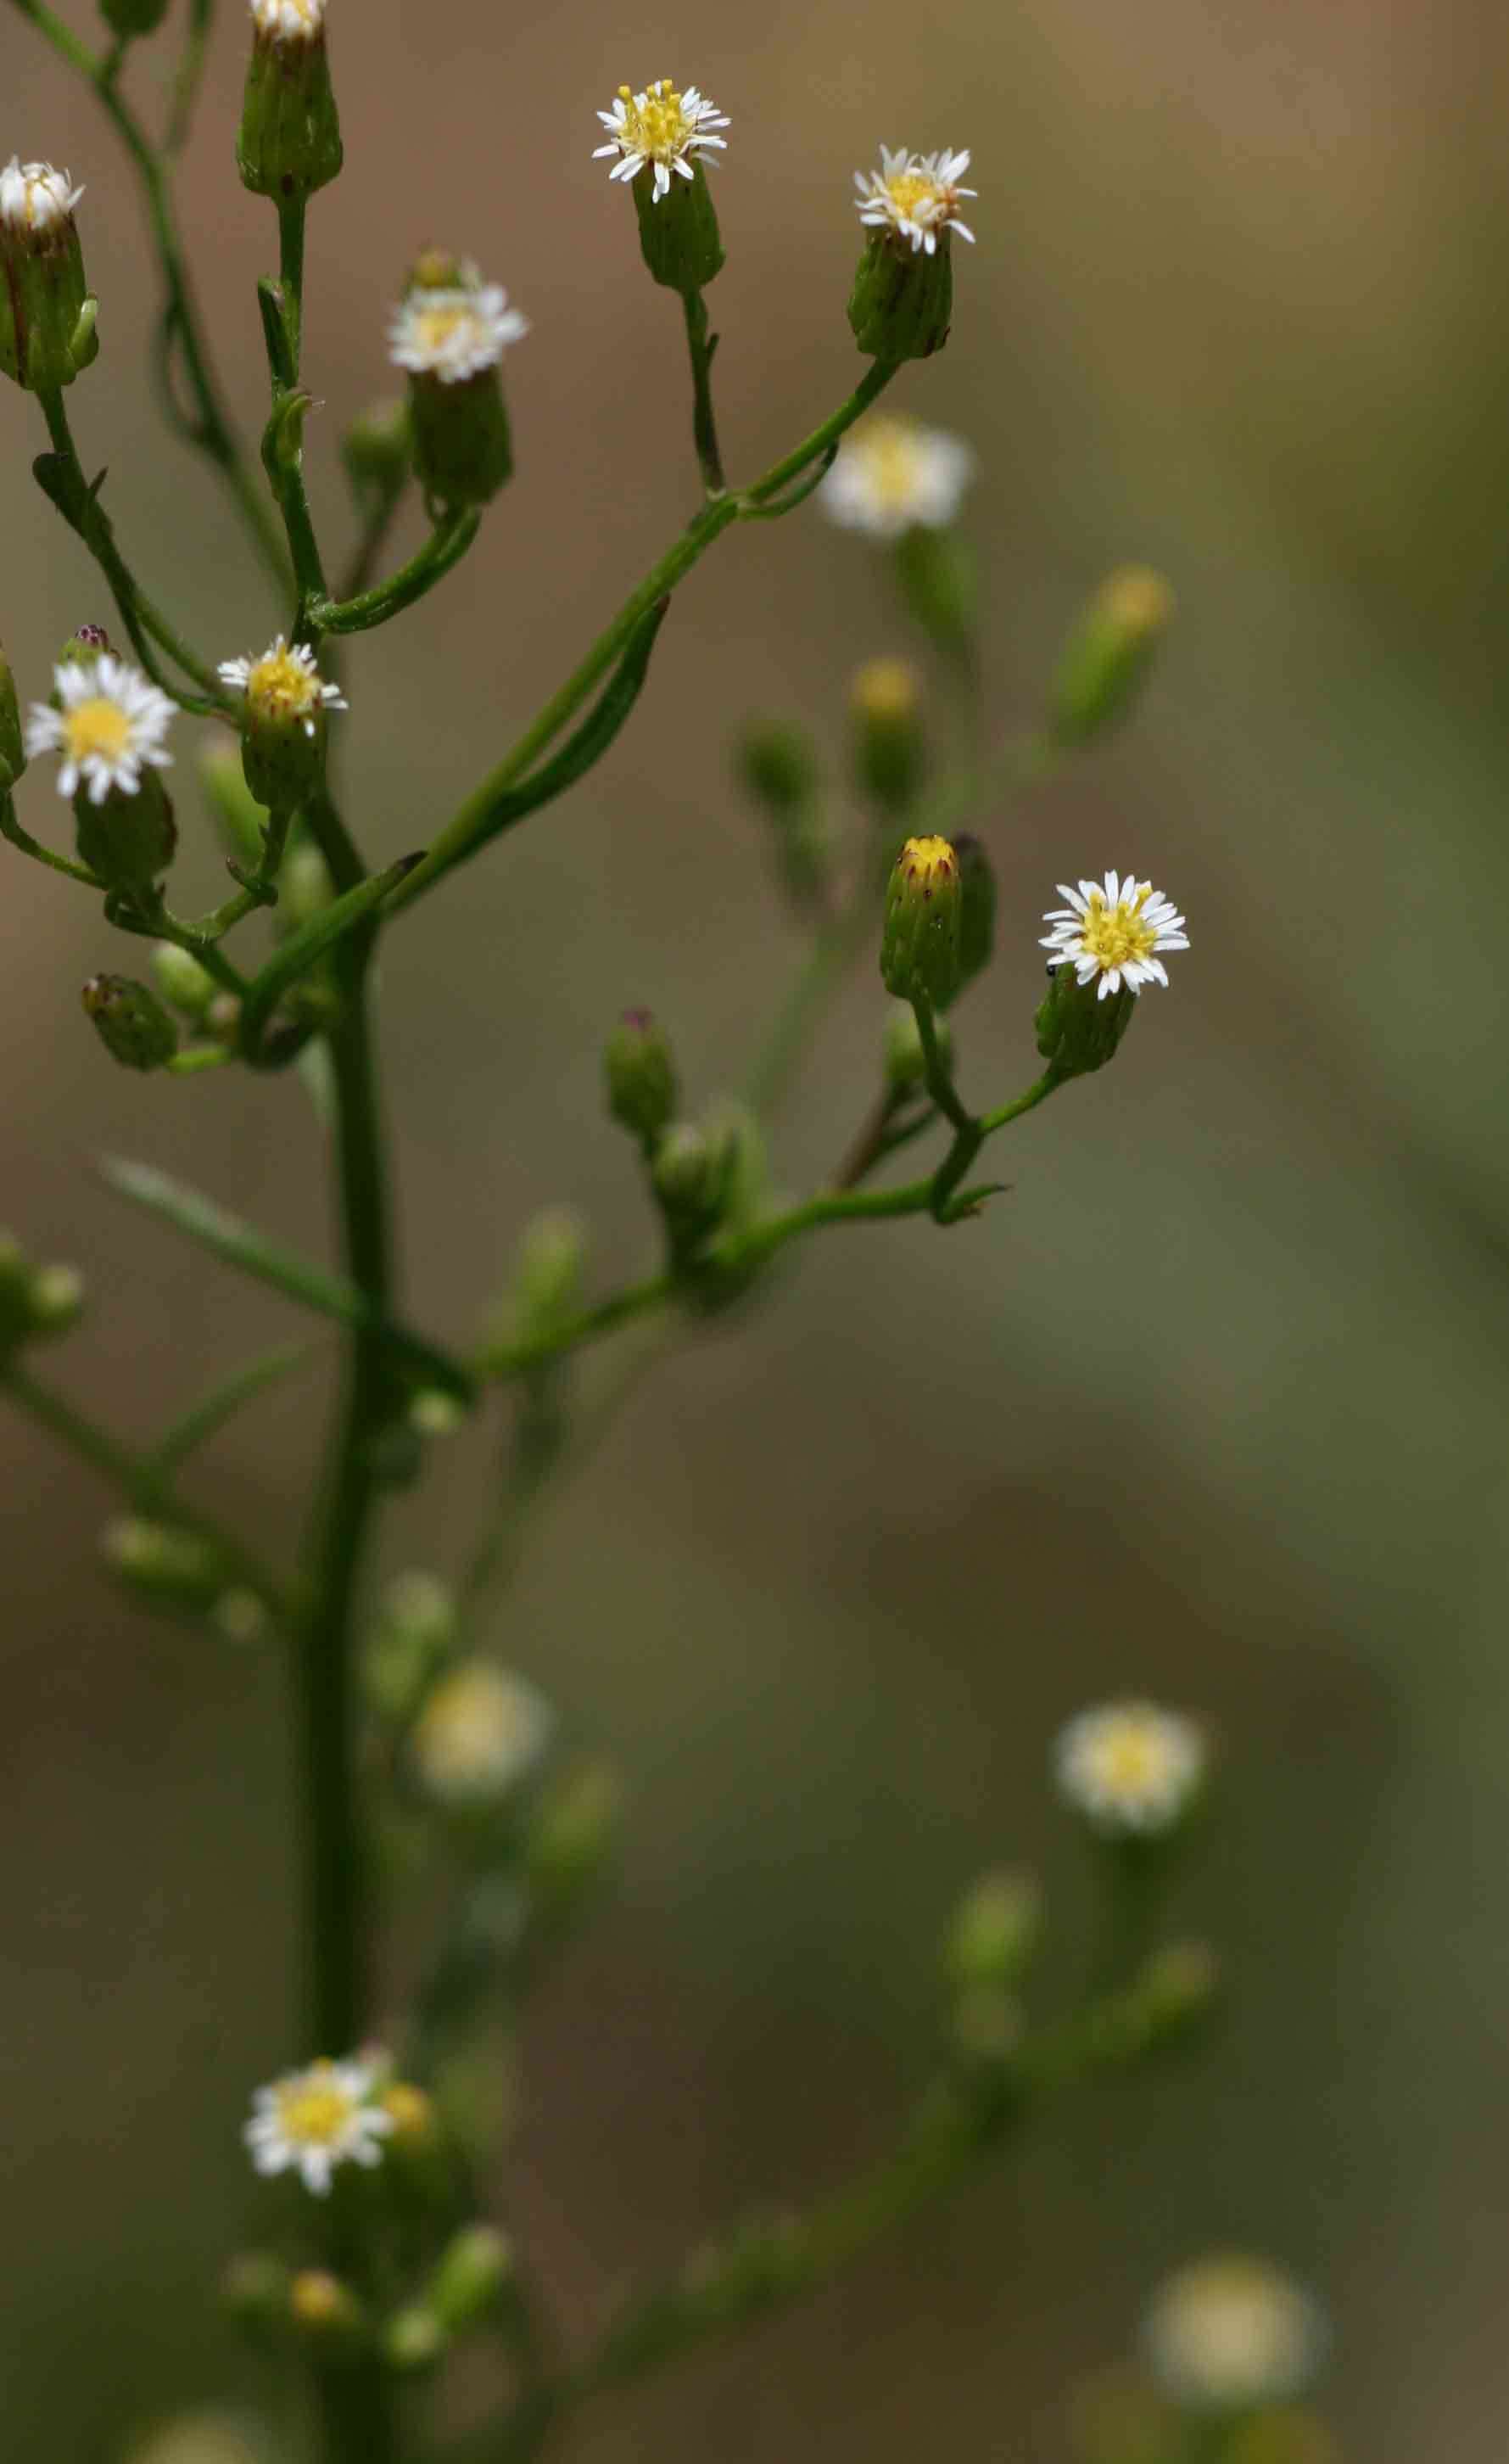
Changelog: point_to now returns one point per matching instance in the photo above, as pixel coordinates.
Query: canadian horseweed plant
(378, 2263)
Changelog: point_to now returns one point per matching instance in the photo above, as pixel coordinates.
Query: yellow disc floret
(1115, 934)
(655, 123)
(283, 686)
(98, 727)
(314, 2109)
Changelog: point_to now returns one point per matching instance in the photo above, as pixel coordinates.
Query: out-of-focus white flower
(453, 334)
(1115, 931)
(893, 474)
(1129, 1768)
(916, 196)
(112, 724)
(481, 1731)
(660, 126)
(313, 2119)
(1232, 2333)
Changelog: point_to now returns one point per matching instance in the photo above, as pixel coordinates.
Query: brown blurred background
(1211, 1407)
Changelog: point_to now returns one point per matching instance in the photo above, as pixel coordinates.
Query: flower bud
(1177, 1990)
(1077, 1032)
(572, 1836)
(85, 647)
(450, 334)
(435, 1414)
(416, 2125)
(414, 2340)
(36, 1303)
(978, 908)
(129, 837)
(130, 18)
(130, 1022)
(255, 2288)
(552, 1260)
(47, 316)
(377, 450)
(56, 1301)
(182, 981)
(678, 230)
(902, 304)
(994, 1932)
(322, 2307)
(305, 889)
(889, 755)
(172, 1568)
(240, 1616)
(938, 576)
(241, 820)
(641, 1077)
(778, 768)
(416, 1629)
(288, 142)
(691, 1175)
(903, 1060)
(469, 2278)
(284, 701)
(920, 939)
(1108, 656)
(13, 746)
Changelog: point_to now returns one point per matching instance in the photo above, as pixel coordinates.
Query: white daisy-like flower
(289, 21)
(311, 2121)
(480, 1733)
(33, 197)
(914, 196)
(892, 473)
(283, 688)
(453, 334)
(663, 127)
(1231, 2333)
(1115, 930)
(1129, 1768)
(111, 725)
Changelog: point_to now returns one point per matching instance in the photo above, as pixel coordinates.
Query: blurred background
(1211, 1407)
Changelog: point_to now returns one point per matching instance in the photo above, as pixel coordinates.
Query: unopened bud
(47, 315)
(435, 1414)
(691, 1176)
(305, 889)
(889, 753)
(779, 769)
(977, 909)
(128, 839)
(552, 1260)
(412, 2114)
(996, 1930)
(469, 2278)
(130, 1022)
(242, 820)
(255, 2288)
(56, 1298)
(903, 1061)
(414, 1632)
(1178, 1988)
(572, 1833)
(240, 1616)
(902, 304)
(131, 18)
(85, 647)
(414, 2340)
(641, 1077)
(938, 573)
(377, 450)
(173, 1568)
(288, 142)
(1108, 656)
(12, 744)
(920, 939)
(322, 2307)
(180, 980)
(1077, 1031)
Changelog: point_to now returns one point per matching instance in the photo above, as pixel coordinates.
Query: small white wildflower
(289, 21)
(453, 334)
(1232, 2333)
(111, 723)
(892, 473)
(1129, 1768)
(481, 1730)
(914, 196)
(33, 197)
(662, 127)
(1115, 931)
(283, 687)
(313, 2119)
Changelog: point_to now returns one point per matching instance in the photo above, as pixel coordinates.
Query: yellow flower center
(887, 692)
(891, 461)
(1115, 934)
(314, 2111)
(658, 127)
(1128, 1759)
(98, 727)
(279, 689)
(435, 327)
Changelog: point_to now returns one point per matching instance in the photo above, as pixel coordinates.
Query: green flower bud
(778, 768)
(450, 334)
(378, 450)
(889, 753)
(128, 839)
(903, 1060)
(56, 1301)
(414, 2340)
(85, 647)
(938, 575)
(130, 18)
(322, 2307)
(283, 707)
(172, 1568)
(1077, 1032)
(920, 939)
(1178, 1990)
(12, 744)
(435, 1414)
(182, 981)
(255, 2288)
(47, 315)
(469, 2278)
(678, 230)
(1108, 656)
(288, 142)
(547, 1275)
(692, 1174)
(305, 889)
(131, 1023)
(572, 1836)
(241, 820)
(463, 445)
(414, 1633)
(994, 1932)
(641, 1077)
(977, 920)
(902, 303)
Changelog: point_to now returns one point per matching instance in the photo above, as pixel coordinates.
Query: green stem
(213, 433)
(80, 508)
(472, 822)
(291, 214)
(186, 79)
(10, 828)
(837, 944)
(445, 547)
(700, 347)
